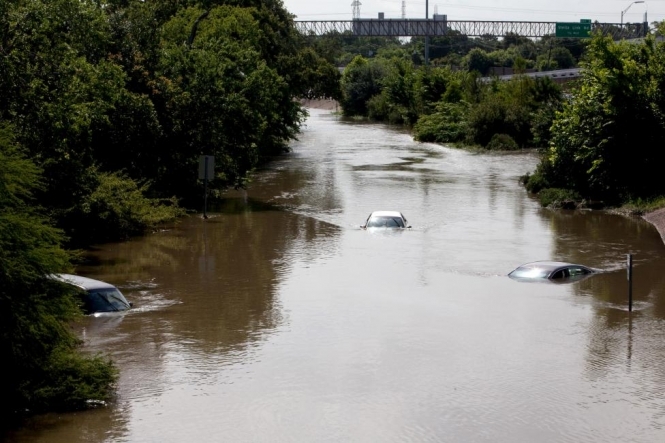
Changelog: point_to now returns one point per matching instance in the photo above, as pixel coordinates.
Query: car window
(578, 271)
(105, 300)
(560, 274)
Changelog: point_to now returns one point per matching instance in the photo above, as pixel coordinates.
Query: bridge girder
(422, 28)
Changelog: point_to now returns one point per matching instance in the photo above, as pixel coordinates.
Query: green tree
(478, 60)
(512, 39)
(430, 86)
(69, 103)
(606, 143)
(399, 87)
(360, 82)
(563, 58)
(57, 87)
(41, 367)
(224, 97)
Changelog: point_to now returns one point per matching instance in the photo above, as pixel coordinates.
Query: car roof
(549, 265)
(386, 214)
(83, 282)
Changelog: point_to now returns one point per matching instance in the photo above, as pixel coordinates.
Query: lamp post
(625, 10)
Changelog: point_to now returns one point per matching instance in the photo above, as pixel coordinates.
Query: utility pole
(403, 9)
(427, 36)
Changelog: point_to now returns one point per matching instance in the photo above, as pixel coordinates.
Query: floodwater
(279, 320)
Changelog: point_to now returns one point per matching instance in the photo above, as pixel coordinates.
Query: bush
(447, 125)
(378, 107)
(118, 208)
(72, 382)
(559, 198)
(502, 142)
(501, 113)
(535, 182)
(541, 123)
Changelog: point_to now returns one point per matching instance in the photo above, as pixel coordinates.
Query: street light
(625, 10)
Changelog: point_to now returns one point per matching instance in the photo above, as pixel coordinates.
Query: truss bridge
(471, 28)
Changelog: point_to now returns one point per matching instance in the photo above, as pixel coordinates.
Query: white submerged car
(386, 219)
(96, 296)
(554, 271)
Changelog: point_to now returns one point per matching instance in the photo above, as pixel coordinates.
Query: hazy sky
(608, 11)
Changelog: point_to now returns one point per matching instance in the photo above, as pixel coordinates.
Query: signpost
(629, 269)
(206, 173)
(574, 30)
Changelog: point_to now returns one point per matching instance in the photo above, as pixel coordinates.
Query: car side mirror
(131, 305)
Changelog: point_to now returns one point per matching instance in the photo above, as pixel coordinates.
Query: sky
(605, 11)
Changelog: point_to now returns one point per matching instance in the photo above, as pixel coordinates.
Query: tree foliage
(41, 368)
(360, 82)
(451, 106)
(111, 103)
(606, 142)
(145, 87)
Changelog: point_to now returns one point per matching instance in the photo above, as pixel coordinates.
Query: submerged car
(551, 271)
(97, 296)
(386, 219)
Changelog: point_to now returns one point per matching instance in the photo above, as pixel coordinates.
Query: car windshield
(530, 272)
(385, 222)
(106, 300)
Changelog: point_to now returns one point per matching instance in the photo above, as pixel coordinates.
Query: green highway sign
(585, 20)
(573, 30)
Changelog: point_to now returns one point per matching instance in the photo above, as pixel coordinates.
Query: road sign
(573, 30)
(585, 20)
(206, 167)
(206, 173)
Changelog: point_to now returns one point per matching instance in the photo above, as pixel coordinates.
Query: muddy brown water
(279, 320)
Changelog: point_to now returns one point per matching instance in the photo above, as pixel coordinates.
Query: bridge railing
(432, 28)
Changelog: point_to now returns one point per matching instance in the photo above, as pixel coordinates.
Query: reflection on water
(279, 319)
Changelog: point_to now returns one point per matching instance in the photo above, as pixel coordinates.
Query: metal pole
(427, 36)
(630, 282)
(205, 189)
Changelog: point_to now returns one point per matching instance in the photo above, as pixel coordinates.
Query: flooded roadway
(279, 320)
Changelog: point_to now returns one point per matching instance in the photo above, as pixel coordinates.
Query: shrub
(447, 125)
(535, 182)
(502, 142)
(118, 208)
(541, 123)
(559, 198)
(72, 382)
(378, 107)
(500, 114)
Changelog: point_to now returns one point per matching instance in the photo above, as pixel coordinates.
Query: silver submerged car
(97, 296)
(555, 271)
(386, 219)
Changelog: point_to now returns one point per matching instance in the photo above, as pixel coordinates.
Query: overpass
(471, 28)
